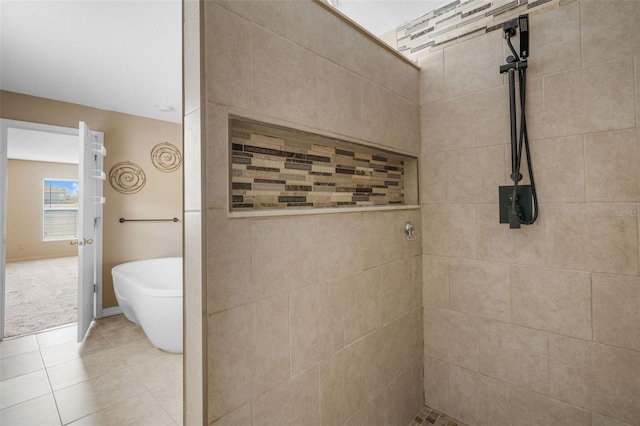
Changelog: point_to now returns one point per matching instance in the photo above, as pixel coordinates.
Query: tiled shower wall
(537, 325)
(312, 319)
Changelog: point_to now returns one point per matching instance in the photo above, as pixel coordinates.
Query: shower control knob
(511, 59)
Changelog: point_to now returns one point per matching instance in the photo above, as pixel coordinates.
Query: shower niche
(277, 168)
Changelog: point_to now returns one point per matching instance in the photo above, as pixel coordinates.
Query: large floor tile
(77, 401)
(141, 410)
(18, 345)
(23, 388)
(85, 368)
(57, 336)
(37, 411)
(20, 364)
(69, 351)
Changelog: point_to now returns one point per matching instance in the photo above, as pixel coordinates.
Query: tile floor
(115, 377)
(428, 417)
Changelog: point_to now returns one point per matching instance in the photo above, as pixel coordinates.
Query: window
(60, 210)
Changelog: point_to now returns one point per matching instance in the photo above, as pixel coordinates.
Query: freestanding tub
(150, 295)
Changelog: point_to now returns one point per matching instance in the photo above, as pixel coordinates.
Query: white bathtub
(150, 295)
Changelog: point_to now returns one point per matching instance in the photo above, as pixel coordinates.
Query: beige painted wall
(24, 210)
(311, 319)
(127, 138)
(544, 319)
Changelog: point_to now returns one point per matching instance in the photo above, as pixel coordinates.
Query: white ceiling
(34, 145)
(124, 55)
(382, 16)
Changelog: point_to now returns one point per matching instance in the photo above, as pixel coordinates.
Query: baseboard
(107, 312)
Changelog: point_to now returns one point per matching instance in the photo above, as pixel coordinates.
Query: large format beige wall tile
(473, 175)
(376, 378)
(618, 20)
(448, 125)
(363, 303)
(295, 402)
(435, 281)
(307, 24)
(400, 287)
(248, 353)
(339, 97)
(403, 397)
(535, 109)
(241, 416)
(401, 77)
(570, 370)
(433, 178)
(432, 77)
(491, 117)
(228, 265)
(284, 255)
(452, 337)
(596, 377)
(449, 230)
(559, 169)
(497, 242)
(389, 119)
(281, 75)
(317, 324)
(592, 237)
(228, 57)
(485, 53)
(384, 238)
(532, 409)
(479, 399)
(616, 310)
(555, 44)
(480, 288)
(436, 384)
(371, 414)
(612, 172)
(230, 366)
(268, 14)
(552, 299)
(216, 153)
(615, 389)
(515, 355)
(342, 384)
(339, 245)
(598, 420)
(271, 343)
(592, 99)
(637, 69)
(373, 62)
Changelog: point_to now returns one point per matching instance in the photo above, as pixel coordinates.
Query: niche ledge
(276, 171)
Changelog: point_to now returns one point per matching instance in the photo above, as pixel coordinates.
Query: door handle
(75, 242)
(89, 241)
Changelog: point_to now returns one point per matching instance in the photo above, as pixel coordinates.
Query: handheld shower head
(523, 23)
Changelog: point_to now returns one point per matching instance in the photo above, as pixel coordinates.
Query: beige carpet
(40, 294)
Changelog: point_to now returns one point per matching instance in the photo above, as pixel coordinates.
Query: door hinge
(95, 288)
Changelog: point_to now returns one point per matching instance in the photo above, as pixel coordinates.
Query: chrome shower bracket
(410, 230)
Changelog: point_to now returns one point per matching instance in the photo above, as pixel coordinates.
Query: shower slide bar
(123, 220)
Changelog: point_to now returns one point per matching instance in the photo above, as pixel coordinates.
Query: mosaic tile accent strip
(459, 19)
(285, 171)
(428, 417)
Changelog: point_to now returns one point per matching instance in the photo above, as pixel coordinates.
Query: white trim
(108, 312)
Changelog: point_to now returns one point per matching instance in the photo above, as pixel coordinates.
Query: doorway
(39, 252)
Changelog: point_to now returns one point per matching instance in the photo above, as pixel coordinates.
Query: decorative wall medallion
(166, 157)
(127, 177)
